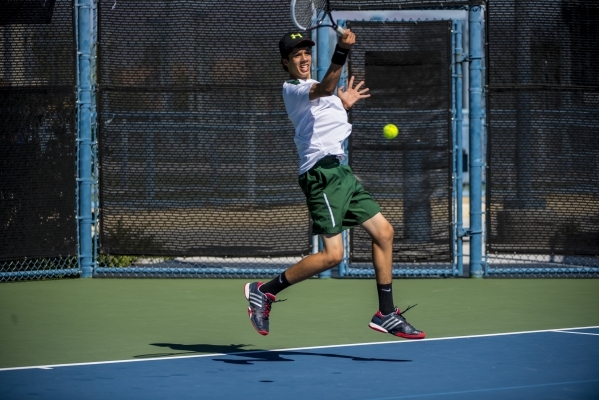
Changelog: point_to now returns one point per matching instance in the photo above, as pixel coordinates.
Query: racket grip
(340, 31)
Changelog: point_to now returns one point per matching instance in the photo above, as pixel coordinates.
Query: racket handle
(340, 31)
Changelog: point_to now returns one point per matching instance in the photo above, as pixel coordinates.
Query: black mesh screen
(396, 4)
(37, 134)
(410, 83)
(543, 142)
(26, 12)
(196, 150)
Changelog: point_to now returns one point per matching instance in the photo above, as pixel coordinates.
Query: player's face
(300, 61)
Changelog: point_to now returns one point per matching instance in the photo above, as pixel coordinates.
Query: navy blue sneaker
(395, 324)
(259, 308)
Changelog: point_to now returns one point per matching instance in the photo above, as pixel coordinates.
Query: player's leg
(330, 256)
(262, 295)
(388, 319)
(327, 201)
(381, 232)
(307, 267)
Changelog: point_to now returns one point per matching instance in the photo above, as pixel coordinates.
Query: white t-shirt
(321, 125)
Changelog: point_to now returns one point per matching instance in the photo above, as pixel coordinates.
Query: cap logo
(296, 35)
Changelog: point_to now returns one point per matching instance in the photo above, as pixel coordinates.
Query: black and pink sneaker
(260, 304)
(395, 324)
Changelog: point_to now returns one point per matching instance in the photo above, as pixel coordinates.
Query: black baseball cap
(294, 39)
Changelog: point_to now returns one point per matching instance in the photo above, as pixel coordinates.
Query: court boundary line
(52, 366)
(485, 390)
(576, 333)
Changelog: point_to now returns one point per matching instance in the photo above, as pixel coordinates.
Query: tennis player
(335, 199)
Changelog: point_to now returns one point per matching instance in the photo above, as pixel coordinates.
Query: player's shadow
(248, 357)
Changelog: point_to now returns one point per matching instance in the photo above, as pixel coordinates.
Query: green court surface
(87, 320)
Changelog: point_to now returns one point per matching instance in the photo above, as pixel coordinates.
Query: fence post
(458, 58)
(84, 135)
(323, 58)
(343, 267)
(475, 14)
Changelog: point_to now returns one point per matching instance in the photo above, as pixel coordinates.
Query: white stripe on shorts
(330, 211)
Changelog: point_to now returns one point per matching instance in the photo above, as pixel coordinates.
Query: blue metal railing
(83, 31)
(343, 81)
(475, 15)
(458, 58)
(323, 62)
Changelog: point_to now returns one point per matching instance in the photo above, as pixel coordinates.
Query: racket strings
(310, 13)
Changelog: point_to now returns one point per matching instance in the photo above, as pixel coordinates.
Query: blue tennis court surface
(559, 364)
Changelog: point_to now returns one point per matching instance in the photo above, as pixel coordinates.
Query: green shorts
(335, 198)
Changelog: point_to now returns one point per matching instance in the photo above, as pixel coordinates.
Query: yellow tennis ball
(390, 131)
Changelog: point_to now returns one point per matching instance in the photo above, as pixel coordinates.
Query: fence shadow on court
(239, 350)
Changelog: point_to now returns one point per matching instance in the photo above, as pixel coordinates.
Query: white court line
(577, 333)
(244, 353)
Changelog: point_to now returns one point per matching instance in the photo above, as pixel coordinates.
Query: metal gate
(408, 69)
(413, 177)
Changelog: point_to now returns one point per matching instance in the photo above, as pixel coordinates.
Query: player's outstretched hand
(352, 94)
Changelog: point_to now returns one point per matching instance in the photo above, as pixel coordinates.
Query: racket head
(309, 14)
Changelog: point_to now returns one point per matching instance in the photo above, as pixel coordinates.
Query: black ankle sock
(385, 293)
(276, 285)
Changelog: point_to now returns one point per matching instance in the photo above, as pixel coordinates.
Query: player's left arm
(351, 95)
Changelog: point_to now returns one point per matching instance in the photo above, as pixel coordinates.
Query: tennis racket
(311, 14)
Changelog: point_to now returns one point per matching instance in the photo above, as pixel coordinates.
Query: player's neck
(301, 77)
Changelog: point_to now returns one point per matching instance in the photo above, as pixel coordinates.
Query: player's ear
(285, 62)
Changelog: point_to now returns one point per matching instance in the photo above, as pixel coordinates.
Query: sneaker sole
(246, 292)
(402, 335)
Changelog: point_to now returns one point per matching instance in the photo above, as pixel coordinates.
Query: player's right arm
(331, 79)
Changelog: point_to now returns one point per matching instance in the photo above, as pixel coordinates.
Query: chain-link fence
(197, 158)
(198, 169)
(198, 166)
(38, 231)
(543, 144)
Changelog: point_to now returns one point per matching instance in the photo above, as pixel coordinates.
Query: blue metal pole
(323, 53)
(458, 59)
(475, 16)
(454, 171)
(84, 135)
(343, 267)
(94, 130)
(323, 62)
